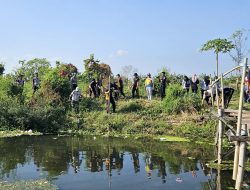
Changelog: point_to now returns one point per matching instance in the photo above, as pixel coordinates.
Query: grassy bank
(142, 118)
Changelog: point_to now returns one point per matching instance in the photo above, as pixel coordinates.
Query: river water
(73, 163)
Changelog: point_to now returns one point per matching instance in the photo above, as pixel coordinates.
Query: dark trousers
(92, 90)
(121, 91)
(194, 90)
(73, 86)
(163, 91)
(202, 93)
(112, 102)
(35, 88)
(75, 106)
(135, 90)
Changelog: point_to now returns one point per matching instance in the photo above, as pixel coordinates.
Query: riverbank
(142, 118)
(16, 133)
(134, 117)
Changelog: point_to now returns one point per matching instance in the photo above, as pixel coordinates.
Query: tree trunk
(217, 64)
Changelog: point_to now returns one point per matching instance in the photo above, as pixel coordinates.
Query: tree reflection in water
(61, 155)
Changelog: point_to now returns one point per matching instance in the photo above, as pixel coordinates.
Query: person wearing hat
(35, 82)
(149, 85)
(163, 82)
(120, 84)
(75, 97)
(135, 86)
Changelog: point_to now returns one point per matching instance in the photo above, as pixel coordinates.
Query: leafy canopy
(218, 45)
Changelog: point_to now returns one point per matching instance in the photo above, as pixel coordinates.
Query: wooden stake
(220, 131)
(217, 96)
(222, 92)
(241, 164)
(237, 147)
(212, 95)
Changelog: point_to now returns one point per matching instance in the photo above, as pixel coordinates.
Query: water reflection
(127, 163)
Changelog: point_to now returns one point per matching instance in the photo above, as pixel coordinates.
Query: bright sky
(148, 34)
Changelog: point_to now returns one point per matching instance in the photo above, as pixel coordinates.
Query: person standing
(75, 97)
(163, 83)
(92, 88)
(120, 84)
(135, 86)
(149, 85)
(109, 100)
(204, 85)
(194, 83)
(186, 83)
(35, 82)
(73, 82)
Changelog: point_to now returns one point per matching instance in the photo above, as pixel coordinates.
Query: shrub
(17, 116)
(57, 83)
(177, 101)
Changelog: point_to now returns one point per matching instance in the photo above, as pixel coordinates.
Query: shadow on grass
(131, 107)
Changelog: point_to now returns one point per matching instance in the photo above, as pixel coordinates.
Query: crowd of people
(115, 88)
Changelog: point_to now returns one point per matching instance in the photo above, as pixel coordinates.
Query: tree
(34, 65)
(93, 68)
(1, 68)
(219, 46)
(239, 39)
(128, 71)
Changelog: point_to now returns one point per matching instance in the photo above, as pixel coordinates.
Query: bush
(59, 84)
(177, 101)
(194, 131)
(43, 119)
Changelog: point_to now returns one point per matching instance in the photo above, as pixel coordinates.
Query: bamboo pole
(217, 96)
(218, 180)
(241, 164)
(212, 95)
(220, 131)
(237, 146)
(222, 92)
(226, 73)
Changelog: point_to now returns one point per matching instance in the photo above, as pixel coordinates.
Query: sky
(147, 34)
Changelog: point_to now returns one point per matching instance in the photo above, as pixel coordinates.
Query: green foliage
(194, 131)
(218, 45)
(59, 84)
(131, 107)
(6, 82)
(14, 90)
(1, 69)
(94, 69)
(34, 65)
(66, 70)
(89, 104)
(18, 116)
(177, 101)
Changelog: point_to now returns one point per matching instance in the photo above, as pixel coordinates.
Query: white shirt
(75, 95)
